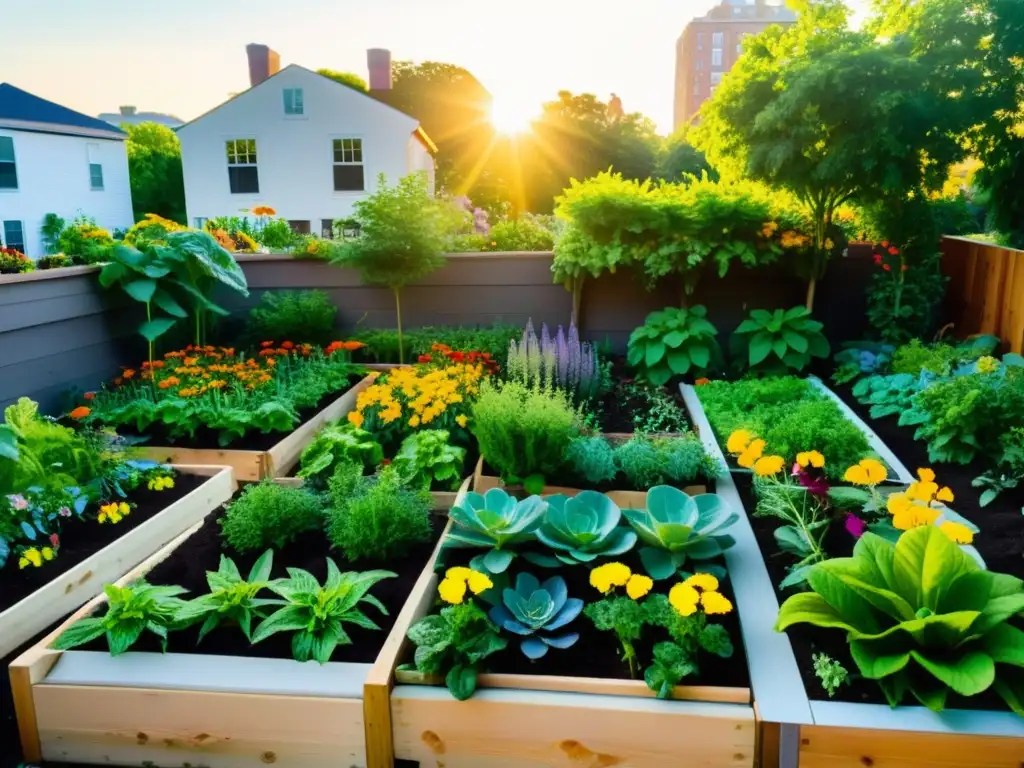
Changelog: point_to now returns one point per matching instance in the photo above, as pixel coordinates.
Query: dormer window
(293, 106)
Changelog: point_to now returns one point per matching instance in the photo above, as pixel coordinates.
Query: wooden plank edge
(249, 466)
(775, 677)
(917, 719)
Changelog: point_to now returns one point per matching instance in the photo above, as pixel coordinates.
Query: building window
(95, 167)
(716, 57)
(8, 168)
(14, 235)
(717, 39)
(199, 222)
(242, 172)
(700, 41)
(348, 165)
(699, 64)
(293, 101)
(716, 78)
(299, 227)
(327, 228)
(696, 86)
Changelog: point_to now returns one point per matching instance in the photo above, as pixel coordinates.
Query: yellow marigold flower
(866, 472)
(610, 575)
(479, 582)
(715, 603)
(47, 553)
(461, 420)
(945, 495)
(898, 502)
(355, 418)
(31, 557)
(752, 453)
(458, 572)
(810, 458)
(957, 532)
(987, 364)
(414, 422)
(638, 586)
(702, 581)
(768, 465)
(914, 516)
(684, 599)
(452, 590)
(926, 475)
(123, 508)
(738, 441)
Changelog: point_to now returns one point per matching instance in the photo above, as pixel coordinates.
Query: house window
(199, 222)
(242, 172)
(716, 78)
(95, 167)
(8, 168)
(299, 227)
(716, 57)
(699, 64)
(700, 41)
(327, 228)
(348, 165)
(293, 101)
(717, 39)
(14, 235)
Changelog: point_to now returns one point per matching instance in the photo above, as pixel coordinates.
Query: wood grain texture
(823, 747)
(128, 726)
(77, 585)
(524, 729)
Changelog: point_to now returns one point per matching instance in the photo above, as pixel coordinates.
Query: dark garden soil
(1001, 541)
(807, 640)
(188, 565)
(597, 653)
(207, 439)
(82, 538)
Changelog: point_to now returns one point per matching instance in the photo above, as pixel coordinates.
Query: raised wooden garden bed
(85, 580)
(214, 711)
(251, 466)
(796, 730)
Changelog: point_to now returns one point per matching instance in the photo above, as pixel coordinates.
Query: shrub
(426, 460)
(526, 233)
(915, 356)
(300, 316)
(269, 515)
(779, 340)
(85, 242)
(14, 262)
(817, 425)
(276, 234)
(673, 342)
(380, 520)
(54, 261)
(336, 444)
(677, 461)
(523, 433)
(592, 458)
(152, 230)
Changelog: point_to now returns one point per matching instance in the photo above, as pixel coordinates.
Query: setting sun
(510, 116)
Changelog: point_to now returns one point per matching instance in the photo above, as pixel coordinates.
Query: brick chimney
(263, 62)
(127, 111)
(378, 62)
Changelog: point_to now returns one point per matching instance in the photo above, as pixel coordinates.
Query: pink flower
(55, 540)
(18, 501)
(854, 525)
(64, 512)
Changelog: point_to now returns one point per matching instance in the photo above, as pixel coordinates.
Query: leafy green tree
(404, 233)
(353, 81)
(678, 158)
(832, 115)
(154, 167)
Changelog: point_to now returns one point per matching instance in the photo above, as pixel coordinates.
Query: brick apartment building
(710, 45)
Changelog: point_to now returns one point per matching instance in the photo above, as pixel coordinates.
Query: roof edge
(32, 126)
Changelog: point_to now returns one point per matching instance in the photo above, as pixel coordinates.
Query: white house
(56, 160)
(300, 143)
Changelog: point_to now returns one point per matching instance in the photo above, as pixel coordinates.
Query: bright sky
(184, 57)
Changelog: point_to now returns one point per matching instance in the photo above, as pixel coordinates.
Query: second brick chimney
(263, 62)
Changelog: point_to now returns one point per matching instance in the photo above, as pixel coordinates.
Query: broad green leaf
(654, 353)
(81, 632)
(760, 347)
(680, 361)
(461, 681)
(700, 355)
(168, 303)
(809, 608)
(152, 330)
(1005, 644)
(875, 665)
(141, 290)
(970, 674)
(795, 340)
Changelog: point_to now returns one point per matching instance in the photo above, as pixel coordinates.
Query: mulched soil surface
(253, 441)
(188, 565)
(1001, 541)
(82, 538)
(597, 653)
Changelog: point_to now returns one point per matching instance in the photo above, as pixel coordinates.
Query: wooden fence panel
(986, 289)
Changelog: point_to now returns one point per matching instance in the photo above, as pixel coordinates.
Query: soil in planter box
(187, 567)
(207, 439)
(1001, 541)
(80, 539)
(621, 408)
(597, 653)
(808, 640)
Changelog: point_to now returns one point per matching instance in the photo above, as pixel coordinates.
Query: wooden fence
(986, 290)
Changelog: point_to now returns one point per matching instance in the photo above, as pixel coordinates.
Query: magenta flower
(854, 525)
(64, 512)
(18, 501)
(816, 485)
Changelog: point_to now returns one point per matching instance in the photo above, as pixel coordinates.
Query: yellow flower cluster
(749, 453)
(810, 459)
(453, 586)
(607, 577)
(987, 364)
(35, 557)
(160, 483)
(793, 239)
(913, 508)
(869, 472)
(113, 513)
(700, 590)
(419, 396)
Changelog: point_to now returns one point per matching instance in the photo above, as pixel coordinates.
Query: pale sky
(184, 57)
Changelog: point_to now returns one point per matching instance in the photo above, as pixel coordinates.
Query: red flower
(457, 357)
(905, 268)
(89, 396)
(878, 258)
(893, 251)
(266, 344)
(887, 268)
(885, 243)
(385, 462)
(424, 359)
(287, 345)
(55, 540)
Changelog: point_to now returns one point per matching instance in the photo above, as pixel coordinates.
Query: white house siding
(294, 154)
(420, 159)
(53, 177)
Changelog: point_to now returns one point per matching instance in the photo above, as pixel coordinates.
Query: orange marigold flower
(118, 381)
(266, 344)
(701, 382)
(89, 396)
(80, 413)
(128, 373)
(271, 362)
(217, 384)
(287, 345)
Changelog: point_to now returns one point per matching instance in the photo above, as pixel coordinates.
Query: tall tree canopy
(353, 81)
(154, 167)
